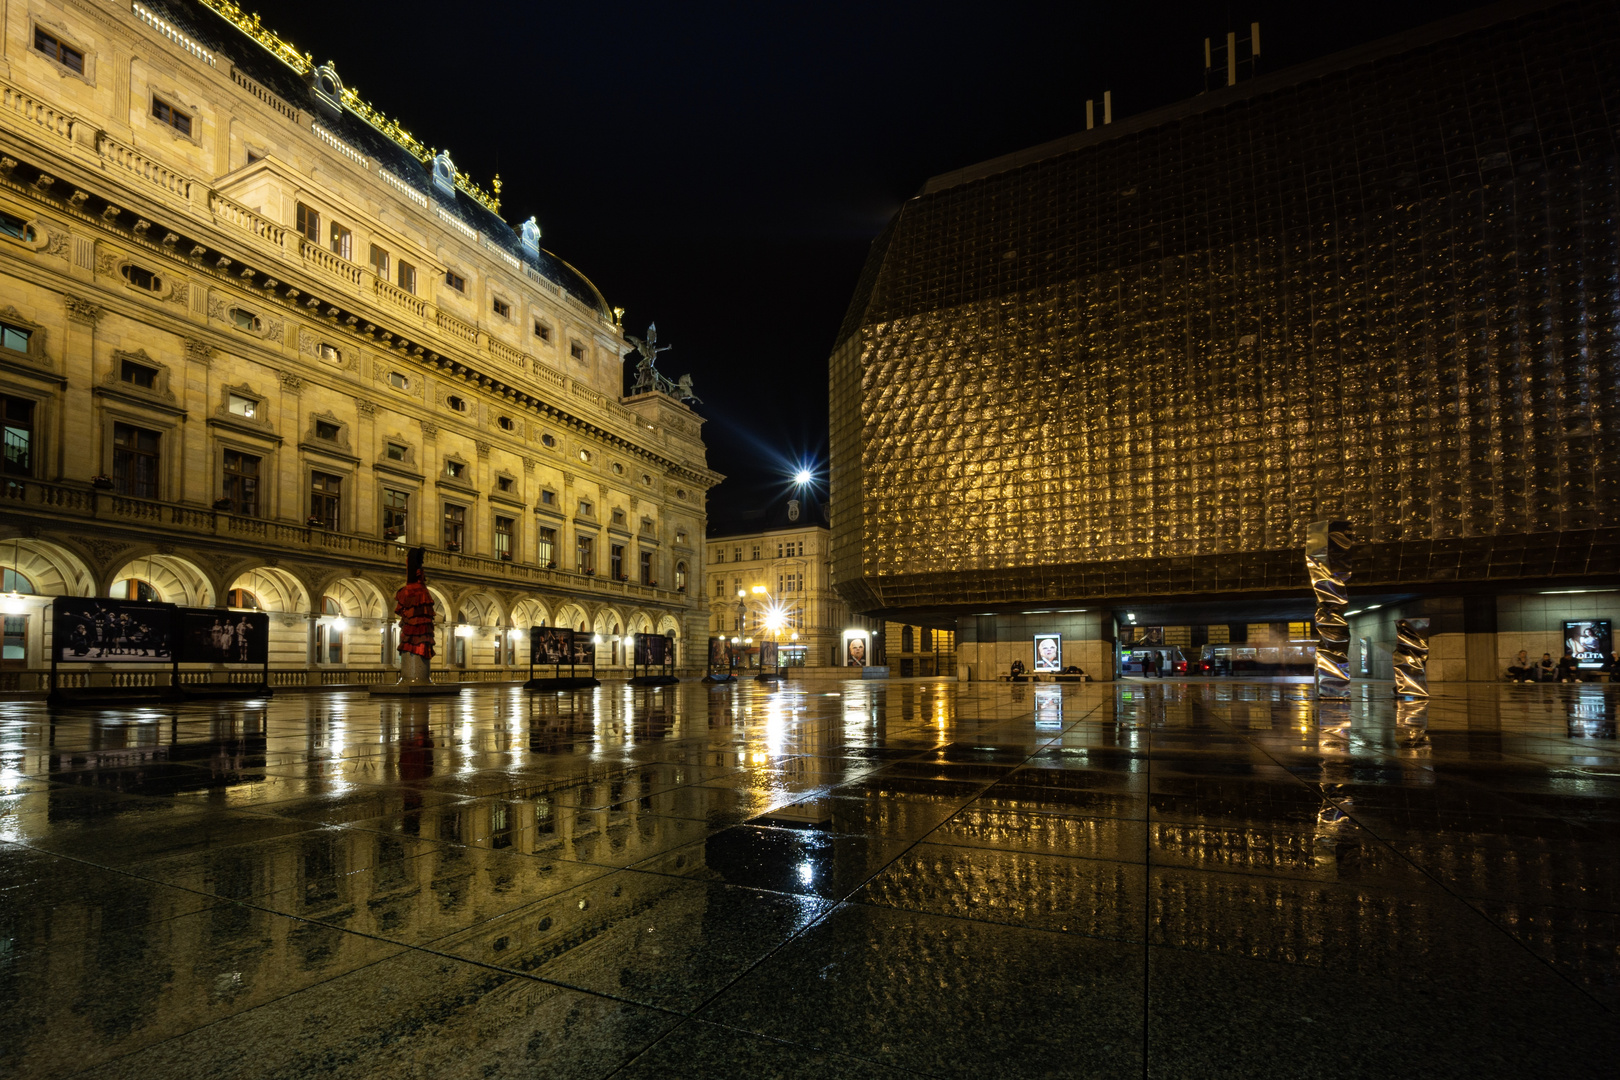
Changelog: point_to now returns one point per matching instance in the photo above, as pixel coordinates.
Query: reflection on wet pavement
(858, 879)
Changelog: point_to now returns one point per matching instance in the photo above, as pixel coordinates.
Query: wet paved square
(826, 880)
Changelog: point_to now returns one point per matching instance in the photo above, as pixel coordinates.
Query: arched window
(615, 643)
(241, 598)
(11, 581)
(906, 640)
(134, 589)
(458, 651)
(928, 640)
(330, 606)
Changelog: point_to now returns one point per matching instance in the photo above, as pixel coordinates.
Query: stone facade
(793, 566)
(252, 341)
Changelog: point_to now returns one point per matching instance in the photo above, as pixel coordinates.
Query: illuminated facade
(257, 339)
(787, 560)
(1131, 365)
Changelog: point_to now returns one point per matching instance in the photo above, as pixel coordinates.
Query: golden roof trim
(304, 63)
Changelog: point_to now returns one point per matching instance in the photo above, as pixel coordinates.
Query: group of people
(1564, 669)
(106, 634)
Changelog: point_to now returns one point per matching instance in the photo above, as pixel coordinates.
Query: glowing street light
(802, 477)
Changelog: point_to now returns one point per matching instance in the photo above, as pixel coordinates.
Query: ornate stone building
(255, 339)
(1110, 380)
(787, 558)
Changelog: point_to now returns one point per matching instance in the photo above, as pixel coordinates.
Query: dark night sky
(722, 169)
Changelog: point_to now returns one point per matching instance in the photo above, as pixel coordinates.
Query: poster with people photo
(717, 652)
(584, 651)
(855, 649)
(767, 656)
(1048, 653)
(221, 636)
(96, 630)
(650, 649)
(550, 645)
(1589, 641)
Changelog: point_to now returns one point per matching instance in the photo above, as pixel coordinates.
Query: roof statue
(649, 378)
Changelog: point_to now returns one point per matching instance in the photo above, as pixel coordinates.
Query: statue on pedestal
(648, 377)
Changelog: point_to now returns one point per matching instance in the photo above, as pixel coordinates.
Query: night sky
(722, 169)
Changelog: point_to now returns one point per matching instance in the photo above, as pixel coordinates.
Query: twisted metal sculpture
(1411, 658)
(1327, 561)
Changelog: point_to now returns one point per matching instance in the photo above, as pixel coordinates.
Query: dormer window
(326, 429)
(142, 278)
(168, 114)
(138, 375)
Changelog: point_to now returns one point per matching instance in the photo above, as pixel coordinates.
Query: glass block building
(1126, 368)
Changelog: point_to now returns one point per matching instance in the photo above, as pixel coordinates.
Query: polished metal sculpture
(1411, 658)
(1327, 560)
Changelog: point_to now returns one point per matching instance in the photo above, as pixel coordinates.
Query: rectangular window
(736, 554)
(398, 451)
(138, 375)
(396, 513)
(325, 500)
(407, 277)
(242, 483)
(617, 559)
(325, 429)
(502, 308)
(455, 526)
(70, 58)
(14, 640)
(646, 568)
(503, 483)
(454, 469)
(545, 549)
(244, 406)
(330, 353)
(17, 414)
(379, 262)
(135, 461)
(309, 223)
(576, 350)
(755, 555)
(584, 508)
(172, 116)
(455, 281)
(16, 228)
(503, 538)
(15, 337)
(342, 242)
(585, 554)
(542, 331)
(719, 588)
(334, 643)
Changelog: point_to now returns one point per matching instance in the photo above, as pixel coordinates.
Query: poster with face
(855, 649)
(1048, 707)
(93, 630)
(550, 644)
(1048, 653)
(584, 651)
(767, 655)
(1150, 635)
(717, 652)
(220, 636)
(1589, 641)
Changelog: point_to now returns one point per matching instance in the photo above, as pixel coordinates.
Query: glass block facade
(1137, 362)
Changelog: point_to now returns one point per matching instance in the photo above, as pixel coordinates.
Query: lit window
(455, 281)
(244, 406)
(455, 526)
(342, 242)
(70, 58)
(454, 469)
(503, 538)
(242, 599)
(585, 455)
(330, 353)
(396, 511)
(545, 548)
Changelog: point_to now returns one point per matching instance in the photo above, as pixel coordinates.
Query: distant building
(1107, 382)
(785, 556)
(255, 339)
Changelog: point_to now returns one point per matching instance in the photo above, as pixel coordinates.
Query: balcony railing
(64, 502)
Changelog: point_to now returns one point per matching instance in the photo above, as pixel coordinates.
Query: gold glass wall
(1382, 288)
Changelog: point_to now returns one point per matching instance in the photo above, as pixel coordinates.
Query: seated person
(1016, 674)
(1568, 670)
(1520, 670)
(1547, 669)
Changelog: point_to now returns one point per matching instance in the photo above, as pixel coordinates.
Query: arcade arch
(171, 579)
